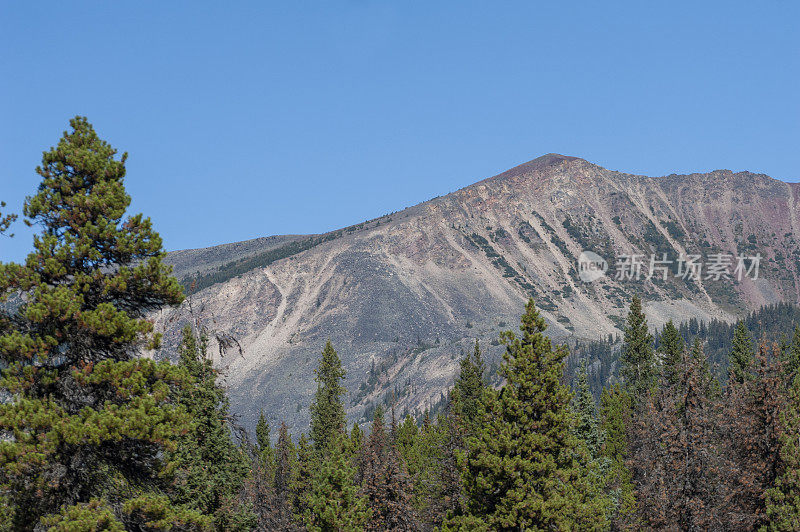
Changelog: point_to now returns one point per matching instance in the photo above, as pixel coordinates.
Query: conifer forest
(689, 426)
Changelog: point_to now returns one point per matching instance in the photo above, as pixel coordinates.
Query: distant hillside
(193, 263)
(400, 296)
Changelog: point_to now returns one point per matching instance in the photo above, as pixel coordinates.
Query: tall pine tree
(90, 421)
(264, 450)
(671, 347)
(791, 357)
(616, 416)
(285, 462)
(467, 391)
(300, 482)
(638, 367)
(385, 482)
(526, 468)
(675, 460)
(327, 410)
(334, 502)
(752, 440)
(741, 356)
(586, 425)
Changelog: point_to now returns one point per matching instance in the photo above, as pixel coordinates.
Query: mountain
(402, 295)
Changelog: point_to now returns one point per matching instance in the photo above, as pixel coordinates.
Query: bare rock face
(401, 296)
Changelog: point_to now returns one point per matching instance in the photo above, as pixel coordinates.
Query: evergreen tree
(467, 391)
(285, 462)
(327, 410)
(432, 467)
(90, 421)
(526, 469)
(264, 447)
(791, 357)
(263, 435)
(354, 449)
(783, 499)
(741, 357)
(299, 485)
(385, 483)
(638, 368)
(443, 447)
(616, 415)
(334, 503)
(586, 426)
(446, 456)
(393, 427)
(285, 459)
(675, 460)
(6, 220)
(407, 437)
(672, 347)
(211, 468)
(751, 441)
(269, 487)
(708, 382)
(590, 435)
(356, 438)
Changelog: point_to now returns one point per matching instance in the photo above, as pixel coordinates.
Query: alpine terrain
(400, 297)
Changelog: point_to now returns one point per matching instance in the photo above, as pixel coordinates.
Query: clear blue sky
(245, 119)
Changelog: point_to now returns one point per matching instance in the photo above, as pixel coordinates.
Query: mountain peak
(550, 159)
(539, 163)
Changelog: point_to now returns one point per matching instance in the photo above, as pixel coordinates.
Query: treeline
(194, 283)
(774, 323)
(94, 437)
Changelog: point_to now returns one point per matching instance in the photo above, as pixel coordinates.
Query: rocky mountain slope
(402, 295)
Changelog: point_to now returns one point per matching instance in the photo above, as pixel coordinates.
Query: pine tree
(6, 220)
(334, 503)
(356, 438)
(407, 436)
(385, 483)
(432, 467)
(672, 348)
(444, 447)
(741, 357)
(299, 485)
(791, 357)
(354, 449)
(467, 390)
(586, 426)
(270, 485)
(675, 460)
(616, 415)
(447, 455)
(783, 498)
(638, 368)
(752, 444)
(90, 420)
(327, 410)
(590, 435)
(285, 462)
(211, 468)
(264, 447)
(526, 469)
(708, 381)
